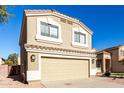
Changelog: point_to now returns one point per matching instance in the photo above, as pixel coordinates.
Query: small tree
(4, 15)
(12, 59)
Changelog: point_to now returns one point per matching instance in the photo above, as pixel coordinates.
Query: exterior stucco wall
(107, 56)
(23, 40)
(66, 31)
(23, 60)
(93, 64)
(32, 65)
(100, 59)
(116, 65)
(114, 55)
(114, 59)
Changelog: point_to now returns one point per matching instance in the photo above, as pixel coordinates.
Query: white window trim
(122, 52)
(76, 44)
(41, 38)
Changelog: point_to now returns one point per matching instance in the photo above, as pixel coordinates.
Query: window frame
(122, 52)
(57, 31)
(46, 39)
(78, 44)
(79, 33)
(49, 26)
(43, 23)
(76, 33)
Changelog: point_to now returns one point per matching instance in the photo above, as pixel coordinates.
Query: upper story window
(49, 30)
(79, 37)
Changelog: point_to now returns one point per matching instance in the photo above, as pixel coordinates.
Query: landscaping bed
(121, 75)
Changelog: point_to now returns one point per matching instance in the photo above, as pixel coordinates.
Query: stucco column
(93, 69)
(90, 67)
(104, 68)
(34, 74)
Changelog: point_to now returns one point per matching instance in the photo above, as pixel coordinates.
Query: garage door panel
(59, 69)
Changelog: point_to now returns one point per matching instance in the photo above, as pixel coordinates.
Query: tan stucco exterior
(116, 57)
(54, 61)
(32, 65)
(66, 31)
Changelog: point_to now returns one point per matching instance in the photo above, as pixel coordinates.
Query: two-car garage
(63, 68)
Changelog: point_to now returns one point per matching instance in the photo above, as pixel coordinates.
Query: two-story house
(111, 59)
(54, 46)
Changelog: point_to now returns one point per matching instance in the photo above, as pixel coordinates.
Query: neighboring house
(55, 47)
(1, 61)
(111, 59)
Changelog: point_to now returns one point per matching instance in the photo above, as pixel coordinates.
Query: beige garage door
(60, 69)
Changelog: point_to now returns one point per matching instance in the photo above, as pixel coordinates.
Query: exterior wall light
(93, 61)
(33, 58)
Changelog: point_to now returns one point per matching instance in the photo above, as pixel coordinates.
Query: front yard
(12, 82)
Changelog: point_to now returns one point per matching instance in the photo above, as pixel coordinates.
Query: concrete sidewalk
(82, 83)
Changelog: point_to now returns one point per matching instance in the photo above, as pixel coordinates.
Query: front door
(107, 65)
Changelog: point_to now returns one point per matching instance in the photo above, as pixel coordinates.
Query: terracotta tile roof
(107, 50)
(47, 11)
(38, 11)
(111, 48)
(102, 52)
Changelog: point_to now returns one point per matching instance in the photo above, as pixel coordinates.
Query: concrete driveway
(97, 82)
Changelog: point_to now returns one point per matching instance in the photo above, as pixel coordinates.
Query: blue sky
(106, 22)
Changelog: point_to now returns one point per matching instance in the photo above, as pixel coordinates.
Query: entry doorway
(107, 65)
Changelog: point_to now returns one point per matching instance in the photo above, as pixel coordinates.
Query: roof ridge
(52, 10)
(112, 47)
(38, 9)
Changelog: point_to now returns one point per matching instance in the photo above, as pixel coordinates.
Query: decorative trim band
(53, 50)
